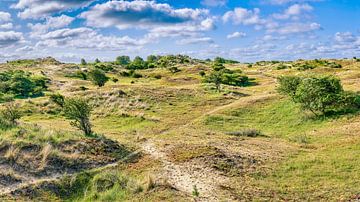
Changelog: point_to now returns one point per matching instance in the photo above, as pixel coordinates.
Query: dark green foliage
(319, 94)
(79, 110)
(224, 61)
(97, 60)
(221, 75)
(246, 133)
(132, 73)
(137, 63)
(98, 77)
(22, 84)
(288, 85)
(115, 80)
(58, 99)
(77, 74)
(202, 73)
(104, 67)
(306, 67)
(174, 69)
(83, 61)
(123, 60)
(152, 59)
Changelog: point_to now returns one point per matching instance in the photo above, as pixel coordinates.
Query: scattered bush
(202, 73)
(246, 133)
(174, 69)
(10, 114)
(221, 75)
(58, 99)
(79, 110)
(98, 77)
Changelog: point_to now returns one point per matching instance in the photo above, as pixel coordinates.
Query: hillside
(165, 131)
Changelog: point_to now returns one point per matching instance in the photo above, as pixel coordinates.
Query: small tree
(215, 77)
(123, 60)
(83, 61)
(98, 77)
(318, 94)
(288, 85)
(11, 113)
(97, 60)
(79, 110)
(58, 99)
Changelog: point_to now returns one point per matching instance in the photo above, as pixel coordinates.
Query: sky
(243, 30)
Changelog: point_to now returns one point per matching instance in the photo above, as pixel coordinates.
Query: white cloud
(345, 37)
(43, 8)
(5, 17)
(140, 14)
(294, 11)
(50, 23)
(236, 35)
(6, 26)
(244, 16)
(296, 28)
(86, 38)
(282, 2)
(10, 38)
(214, 3)
(195, 41)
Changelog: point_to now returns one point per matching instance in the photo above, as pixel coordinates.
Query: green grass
(277, 118)
(331, 173)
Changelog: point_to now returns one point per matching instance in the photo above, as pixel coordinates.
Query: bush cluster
(21, 84)
(221, 75)
(319, 94)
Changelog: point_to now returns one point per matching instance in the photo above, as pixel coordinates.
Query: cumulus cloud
(10, 38)
(195, 41)
(244, 16)
(345, 37)
(139, 14)
(43, 8)
(282, 2)
(6, 26)
(295, 28)
(84, 38)
(236, 35)
(294, 11)
(214, 3)
(5, 17)
(39, 29)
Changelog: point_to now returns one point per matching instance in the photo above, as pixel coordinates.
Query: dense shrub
(98, 77)
(123, 60)
(319, 94)
(22, 84)
(221, 75)
(77, 74)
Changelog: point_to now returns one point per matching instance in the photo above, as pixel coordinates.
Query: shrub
(83, 61)
(221, 75)
(202, 73)
(115, 80)
(98, 77)
(288, 85)
(123, 60)
(58, 99)
(10, 114)
(246, 133)
(318, 94)
(79, 110)
(174, 69)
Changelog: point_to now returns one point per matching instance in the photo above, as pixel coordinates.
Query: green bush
(22, 84)
(98, 77)
(10, 115)
(79, 110)
(319, 94)
(58, 99)
(221, 75)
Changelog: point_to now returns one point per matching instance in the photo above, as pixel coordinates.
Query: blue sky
(245, 30)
